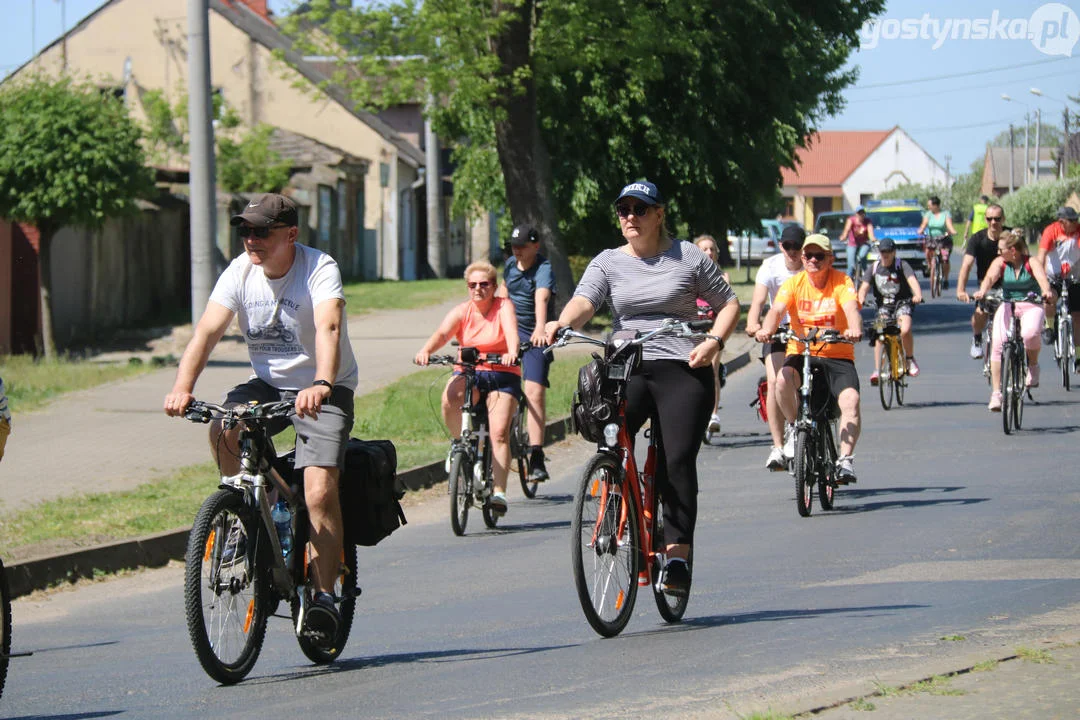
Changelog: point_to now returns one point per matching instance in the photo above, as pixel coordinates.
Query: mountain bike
(1014, 369)
(816, 437)
(617, 530)
(1064, 351)
(236, 571)
(470, 472)
(939, 255)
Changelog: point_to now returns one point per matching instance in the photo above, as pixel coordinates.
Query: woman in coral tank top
(487, 323)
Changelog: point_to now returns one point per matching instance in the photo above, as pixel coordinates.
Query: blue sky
(949, 116)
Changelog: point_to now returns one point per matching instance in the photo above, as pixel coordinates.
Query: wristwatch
(330, 385)
(719, 340)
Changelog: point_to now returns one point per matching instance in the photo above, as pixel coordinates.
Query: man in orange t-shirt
(824, 298)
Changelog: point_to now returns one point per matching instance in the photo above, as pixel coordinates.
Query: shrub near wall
(1034, 206)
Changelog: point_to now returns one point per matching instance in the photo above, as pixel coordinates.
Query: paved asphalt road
(953, 530)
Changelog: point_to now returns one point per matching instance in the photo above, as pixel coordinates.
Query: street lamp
(1027, 124)
(1065, 146)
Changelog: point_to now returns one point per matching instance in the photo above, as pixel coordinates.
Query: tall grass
(364, 297)
(32, 383)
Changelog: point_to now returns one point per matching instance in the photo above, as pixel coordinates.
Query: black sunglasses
(995, 218)
(816, 257)
(637, 209)
(260, 232)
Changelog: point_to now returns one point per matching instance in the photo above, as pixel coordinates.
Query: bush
(1033, 206)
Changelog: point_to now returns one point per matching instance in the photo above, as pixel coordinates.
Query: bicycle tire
(1008, 390)
(1059, 344)
(460, 491)
(491, 518)
(827, 485)
(227, 627)
(519, 447)
(804, 472)
(935, 278)
(1067, 351)
(344, 588)
(1020, 377)
(987, 343)
(671, 607)
(605, 548)
(885, 381)
(900, 371)
(5, 627)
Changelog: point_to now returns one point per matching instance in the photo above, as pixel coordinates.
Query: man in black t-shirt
(980, 251)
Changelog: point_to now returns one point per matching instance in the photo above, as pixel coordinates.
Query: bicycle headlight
(611, 434)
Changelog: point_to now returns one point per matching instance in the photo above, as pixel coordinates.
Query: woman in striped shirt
(650, 278)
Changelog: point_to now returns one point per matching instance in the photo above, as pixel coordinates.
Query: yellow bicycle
(893, 374)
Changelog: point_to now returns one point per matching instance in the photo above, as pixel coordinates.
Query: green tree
(555, 104)
(249, 165)
(69, 155)
(1049, 136)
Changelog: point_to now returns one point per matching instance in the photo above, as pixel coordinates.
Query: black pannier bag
(370, 496)
(595, 403)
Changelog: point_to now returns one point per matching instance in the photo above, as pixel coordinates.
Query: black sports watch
(719, 340)
(324, 383)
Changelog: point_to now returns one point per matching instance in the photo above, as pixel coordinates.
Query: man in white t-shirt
(770, 276)
(291, 310)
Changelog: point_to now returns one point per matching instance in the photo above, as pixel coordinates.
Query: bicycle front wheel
(5, 626)
(935, 279)
(226, 593)
(827, 482)
(804, 470)
(460, 491)
(1008, 388)
(605, 547)
(1020, 378)
(345, 590)
(671, 607)
(885, 376)
(1067, 351)
(899, 371)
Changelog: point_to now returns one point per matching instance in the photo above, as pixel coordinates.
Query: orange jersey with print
(809, 307)
(485, 333)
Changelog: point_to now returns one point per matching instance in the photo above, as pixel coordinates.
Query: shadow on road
(710, 621)
(81, 646)
(843, 509)
(433, 656)
(1052, 430)
(543, 500)
(530, 527)
(943, 403)
(71, 716)
(734, 441)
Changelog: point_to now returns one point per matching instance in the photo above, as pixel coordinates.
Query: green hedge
(1033, 206)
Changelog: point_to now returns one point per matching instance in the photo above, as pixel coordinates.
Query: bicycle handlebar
(815, 335)
(203, 412)
(693, 329)
(488, 358)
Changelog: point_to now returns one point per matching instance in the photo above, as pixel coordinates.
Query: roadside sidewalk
(116, 436)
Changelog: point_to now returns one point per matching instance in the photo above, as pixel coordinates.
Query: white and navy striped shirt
(643, 292)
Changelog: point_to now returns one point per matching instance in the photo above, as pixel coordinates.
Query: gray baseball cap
(268, 209)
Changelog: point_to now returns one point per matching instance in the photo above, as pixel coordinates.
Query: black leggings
(681, 399)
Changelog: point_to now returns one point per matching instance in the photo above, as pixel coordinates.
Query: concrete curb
(157, 550)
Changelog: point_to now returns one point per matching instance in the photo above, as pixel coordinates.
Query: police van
(900, 221)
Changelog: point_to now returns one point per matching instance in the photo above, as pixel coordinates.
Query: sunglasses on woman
(637, 209)
(482, 285)
(260, 232)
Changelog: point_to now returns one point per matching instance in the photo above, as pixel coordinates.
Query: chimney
(256, 6)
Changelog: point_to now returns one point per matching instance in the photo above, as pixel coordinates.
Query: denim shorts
(535, 363)
(489, 381)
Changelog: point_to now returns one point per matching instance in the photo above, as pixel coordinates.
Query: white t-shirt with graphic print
(277, 317)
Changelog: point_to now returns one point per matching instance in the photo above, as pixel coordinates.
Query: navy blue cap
(642, 190)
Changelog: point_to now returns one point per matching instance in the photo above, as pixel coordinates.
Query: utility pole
(202, 174)
(1038, 126)
(1065, 147)
(1027, 158)
(436, 256)
(1012, 155)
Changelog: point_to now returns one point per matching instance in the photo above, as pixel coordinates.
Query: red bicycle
(617, 531)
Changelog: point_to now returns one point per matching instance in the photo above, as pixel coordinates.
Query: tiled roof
(303, 151)
(832, 156)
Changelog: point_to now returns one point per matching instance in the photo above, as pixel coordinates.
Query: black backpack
(370, 494)
(596, 400)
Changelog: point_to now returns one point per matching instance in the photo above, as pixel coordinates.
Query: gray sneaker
(845, 470)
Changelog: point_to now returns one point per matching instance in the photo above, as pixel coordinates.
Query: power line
(967, 88)
(960, 127)
(895, 83)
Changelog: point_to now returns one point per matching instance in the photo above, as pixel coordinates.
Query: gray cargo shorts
(321, 441)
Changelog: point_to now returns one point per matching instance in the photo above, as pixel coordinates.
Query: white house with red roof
(841, 169)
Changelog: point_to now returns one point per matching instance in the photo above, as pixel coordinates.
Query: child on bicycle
(896, 289)
(707, 243)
